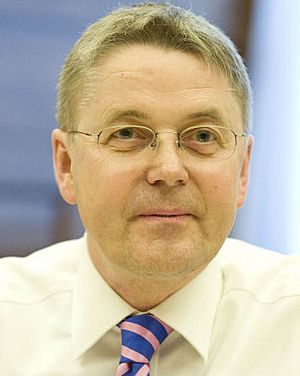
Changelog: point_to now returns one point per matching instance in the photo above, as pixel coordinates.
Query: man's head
(158, 212)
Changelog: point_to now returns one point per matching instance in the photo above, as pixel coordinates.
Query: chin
(168, 262)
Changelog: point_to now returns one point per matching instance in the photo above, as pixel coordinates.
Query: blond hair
(157, 24)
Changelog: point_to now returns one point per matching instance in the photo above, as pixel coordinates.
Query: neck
(142, 292)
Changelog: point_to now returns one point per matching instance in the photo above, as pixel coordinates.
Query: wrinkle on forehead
(97, 80)
(203, 79)
(152, 85)
(102, 73)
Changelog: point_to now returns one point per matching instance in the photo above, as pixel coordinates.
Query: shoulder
(266, 275)
(44, 272)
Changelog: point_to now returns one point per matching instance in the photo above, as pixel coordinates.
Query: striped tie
(141, 336)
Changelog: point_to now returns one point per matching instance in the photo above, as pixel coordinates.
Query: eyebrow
(212, 113)
(114, 115)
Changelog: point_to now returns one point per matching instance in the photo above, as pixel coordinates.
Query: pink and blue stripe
(141, 336)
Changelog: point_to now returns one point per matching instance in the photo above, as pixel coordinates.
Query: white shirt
(240, 317)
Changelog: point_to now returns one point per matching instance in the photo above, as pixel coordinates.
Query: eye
(126, 138)
(204, 136)
(201, 135)
(125, 133)
(206, 141)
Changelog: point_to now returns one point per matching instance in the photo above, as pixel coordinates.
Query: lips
(172, 217)
(165, 213)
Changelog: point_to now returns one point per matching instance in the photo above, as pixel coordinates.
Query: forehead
(158, 83)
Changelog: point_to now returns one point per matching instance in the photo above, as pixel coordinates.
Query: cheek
(114, 191)
(102, 186)
(219, 184)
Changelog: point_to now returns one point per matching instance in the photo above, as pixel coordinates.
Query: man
(154, 149)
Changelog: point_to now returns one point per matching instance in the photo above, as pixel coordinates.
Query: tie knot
(141, 336)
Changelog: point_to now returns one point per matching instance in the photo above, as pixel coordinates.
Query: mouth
(162, 216)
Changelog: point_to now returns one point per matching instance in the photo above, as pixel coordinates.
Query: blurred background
(36, 36)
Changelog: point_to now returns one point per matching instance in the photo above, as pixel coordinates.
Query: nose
(166, 164)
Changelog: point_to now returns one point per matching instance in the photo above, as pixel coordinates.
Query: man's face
(123, 198)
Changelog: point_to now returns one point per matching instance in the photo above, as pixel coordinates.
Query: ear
(62, 164)
(245, 171)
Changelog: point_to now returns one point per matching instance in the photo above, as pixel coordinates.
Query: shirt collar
(191, 310)
(97, 308)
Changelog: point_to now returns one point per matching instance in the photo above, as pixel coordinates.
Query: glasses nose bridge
(155, 142)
